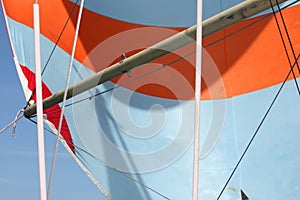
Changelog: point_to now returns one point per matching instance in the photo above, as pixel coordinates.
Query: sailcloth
(133, 135)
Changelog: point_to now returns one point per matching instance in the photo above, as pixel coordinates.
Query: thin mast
(38, 82)
(218, 22)
(197, 101)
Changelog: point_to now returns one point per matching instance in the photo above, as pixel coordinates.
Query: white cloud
(60, 155)
(7, 181)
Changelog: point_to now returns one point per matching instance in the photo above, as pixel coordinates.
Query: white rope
(98, 185)
(19, 115)
(64, 99)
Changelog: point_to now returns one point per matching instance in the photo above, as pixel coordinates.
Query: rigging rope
(258, 128)
(274, 99)
(287, 33)
(65, 97)
(60, 35)
(249, 25)
(103, 162)
(283, 42)
(206, 46)
(55, 45)
(135, 79)
(13, 123)
(18, 116)
(257, 21)
(125, 83)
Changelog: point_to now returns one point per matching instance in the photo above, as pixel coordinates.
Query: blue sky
(18, 155)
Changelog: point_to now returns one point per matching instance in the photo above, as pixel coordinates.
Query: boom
(218, 22)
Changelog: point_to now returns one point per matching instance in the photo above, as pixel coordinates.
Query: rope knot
(18, 116)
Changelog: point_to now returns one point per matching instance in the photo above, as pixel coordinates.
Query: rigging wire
(59, 37)
(65, 97)
(55, 45)
(110, 89)
(249, 25)
(135, 79)
(122, 84)
(287, 33)
(258, 128)
(283, 42)
(19, 115)
(177, 60)
(103, 162)
(206, 46)
(274, 99)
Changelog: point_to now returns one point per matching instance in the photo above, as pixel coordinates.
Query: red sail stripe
(53, 113)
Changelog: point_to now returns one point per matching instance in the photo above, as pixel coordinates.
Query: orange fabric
(249, 60)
